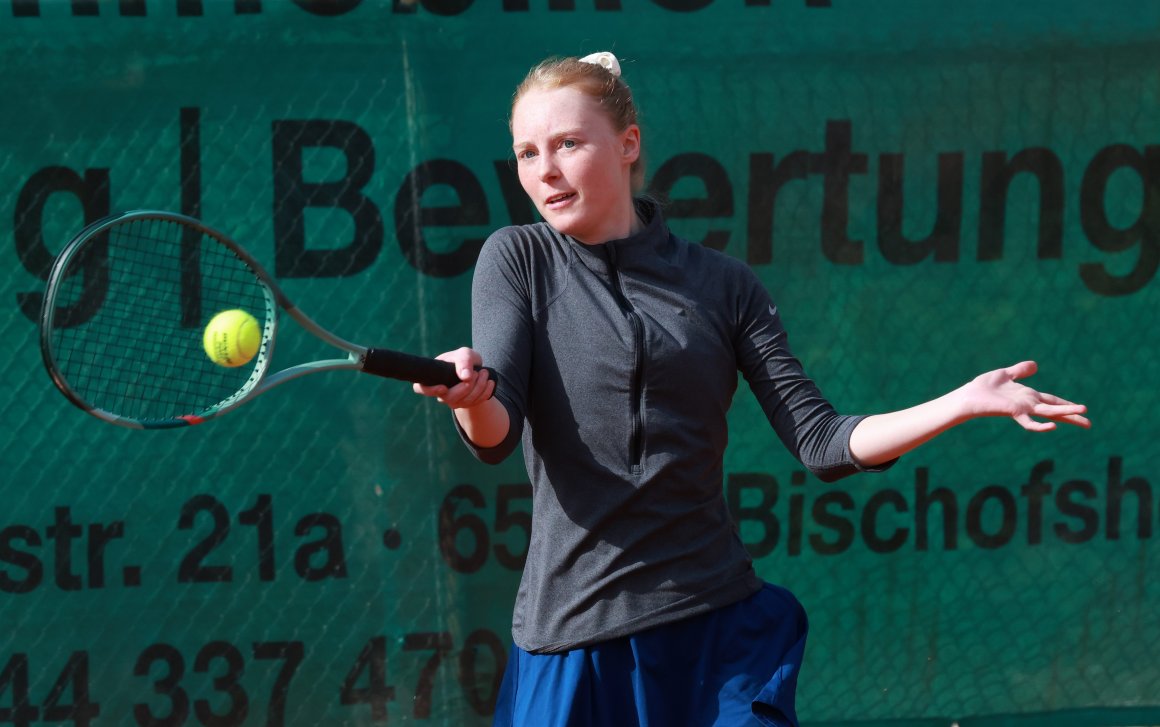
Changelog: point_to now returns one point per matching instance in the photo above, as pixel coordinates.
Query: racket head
(124, 312)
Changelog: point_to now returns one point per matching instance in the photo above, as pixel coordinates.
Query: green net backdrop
(930, 190)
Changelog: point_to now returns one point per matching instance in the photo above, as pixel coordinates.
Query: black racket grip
(416, 369)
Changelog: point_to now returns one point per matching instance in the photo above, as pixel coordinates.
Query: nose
(546, 168)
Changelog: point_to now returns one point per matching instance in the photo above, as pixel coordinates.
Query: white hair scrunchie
(604, 58)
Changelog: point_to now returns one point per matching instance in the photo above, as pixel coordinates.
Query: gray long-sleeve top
(618, 363)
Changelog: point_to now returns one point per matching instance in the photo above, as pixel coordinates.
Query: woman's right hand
(475, 385)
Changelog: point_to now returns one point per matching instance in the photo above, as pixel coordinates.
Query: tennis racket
(124, 311)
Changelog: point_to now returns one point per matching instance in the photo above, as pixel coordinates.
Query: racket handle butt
(416, 369)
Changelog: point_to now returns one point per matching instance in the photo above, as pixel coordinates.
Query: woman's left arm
(882, 437)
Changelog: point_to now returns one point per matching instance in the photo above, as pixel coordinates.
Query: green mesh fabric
(930, 190)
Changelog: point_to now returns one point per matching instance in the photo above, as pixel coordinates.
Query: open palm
(999, 393)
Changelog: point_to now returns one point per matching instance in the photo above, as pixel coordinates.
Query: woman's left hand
(998, 393)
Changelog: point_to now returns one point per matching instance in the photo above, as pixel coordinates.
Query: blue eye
(525, 154)
(568, 144)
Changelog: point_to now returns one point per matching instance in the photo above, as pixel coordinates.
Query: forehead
(547, 110)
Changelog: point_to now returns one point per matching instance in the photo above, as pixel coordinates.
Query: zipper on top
(635, 451)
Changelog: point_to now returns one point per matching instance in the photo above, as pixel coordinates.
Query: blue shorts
(737, 665)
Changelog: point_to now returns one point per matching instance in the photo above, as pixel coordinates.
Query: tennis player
(618, 345)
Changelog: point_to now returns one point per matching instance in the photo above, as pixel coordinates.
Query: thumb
(1022, 370)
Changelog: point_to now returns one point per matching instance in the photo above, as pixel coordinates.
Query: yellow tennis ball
(231, 338)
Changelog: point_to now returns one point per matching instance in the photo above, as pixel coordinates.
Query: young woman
(618, 346)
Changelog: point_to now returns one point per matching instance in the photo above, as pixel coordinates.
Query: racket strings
(138, 351)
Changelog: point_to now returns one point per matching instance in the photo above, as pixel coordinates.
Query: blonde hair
(608, 89)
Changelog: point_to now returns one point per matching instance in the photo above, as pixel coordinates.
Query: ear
(630, 143)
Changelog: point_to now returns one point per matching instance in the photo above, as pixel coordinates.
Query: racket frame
(417, 367)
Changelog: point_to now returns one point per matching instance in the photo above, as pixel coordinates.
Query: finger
(1076, 419)
(1056, 411)
(469, 392)
(463, 359)
(1053, 399)
(472, 391)
(433, 391)
(1032, 425)
(1022, 370)
(463, 367)
(481, 388)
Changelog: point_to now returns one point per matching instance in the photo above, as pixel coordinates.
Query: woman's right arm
(483, 418)
(489, 415)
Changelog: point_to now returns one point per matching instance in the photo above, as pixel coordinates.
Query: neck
(622, 223)
(627, 224)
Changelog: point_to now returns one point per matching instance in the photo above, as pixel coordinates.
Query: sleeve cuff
(500, 452)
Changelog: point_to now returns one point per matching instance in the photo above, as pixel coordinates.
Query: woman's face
(574, 165)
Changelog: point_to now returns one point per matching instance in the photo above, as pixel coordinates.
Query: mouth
(557, 200)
